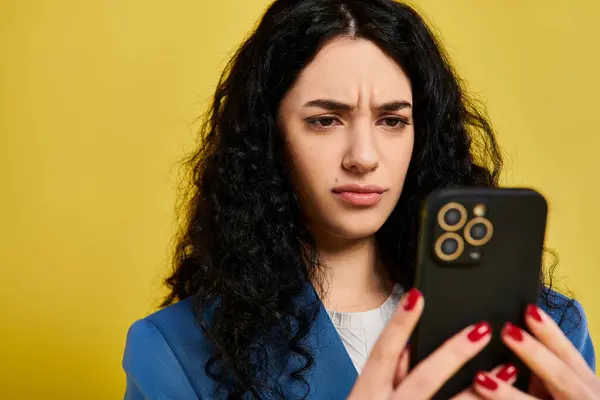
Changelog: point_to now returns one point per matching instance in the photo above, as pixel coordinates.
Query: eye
(323, 123)
(394, 122)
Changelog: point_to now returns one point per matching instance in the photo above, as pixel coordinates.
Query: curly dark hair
(244, 249)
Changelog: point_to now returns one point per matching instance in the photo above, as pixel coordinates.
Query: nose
(362, 155)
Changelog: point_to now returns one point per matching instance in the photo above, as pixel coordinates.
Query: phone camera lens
(449, 246)
(478, 231)
(452, 217)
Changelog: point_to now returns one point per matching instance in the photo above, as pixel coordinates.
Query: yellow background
(98, 101)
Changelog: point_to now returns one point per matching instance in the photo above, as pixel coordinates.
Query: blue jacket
(166, 353)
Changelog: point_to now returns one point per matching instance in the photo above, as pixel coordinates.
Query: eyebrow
(334, 105)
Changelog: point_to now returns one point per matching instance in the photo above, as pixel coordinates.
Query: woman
(329, 127)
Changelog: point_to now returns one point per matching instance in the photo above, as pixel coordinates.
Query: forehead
(346, 68)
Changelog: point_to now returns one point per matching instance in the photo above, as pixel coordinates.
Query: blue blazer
(166, 353)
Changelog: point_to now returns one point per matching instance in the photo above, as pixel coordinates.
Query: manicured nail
(412, 297)
(507, 372)
(534, 313)
(513, 331)
(485, 381)
(480, 330)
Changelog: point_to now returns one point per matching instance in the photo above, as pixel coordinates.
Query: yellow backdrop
(97, 104)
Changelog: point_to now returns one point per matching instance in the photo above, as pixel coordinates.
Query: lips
(357, 195)
(359, 189)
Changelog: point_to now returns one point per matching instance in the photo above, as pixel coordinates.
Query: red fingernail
(534, 313)
(513, 331)
(412, 298)
(507, 372)
(485, 381)
(481, 330)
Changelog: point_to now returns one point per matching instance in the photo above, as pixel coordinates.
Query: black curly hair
(244, 249)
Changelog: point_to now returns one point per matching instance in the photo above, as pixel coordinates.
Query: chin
(353, 228)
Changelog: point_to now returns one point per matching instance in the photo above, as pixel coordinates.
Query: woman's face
(349, 130)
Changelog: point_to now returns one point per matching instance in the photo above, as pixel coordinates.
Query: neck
(353, 277)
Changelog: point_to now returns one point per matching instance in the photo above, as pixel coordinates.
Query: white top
(360, 330)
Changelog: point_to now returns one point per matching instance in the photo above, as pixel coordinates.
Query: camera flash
(479, 210)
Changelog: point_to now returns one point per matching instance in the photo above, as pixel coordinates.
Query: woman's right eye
(323, 122)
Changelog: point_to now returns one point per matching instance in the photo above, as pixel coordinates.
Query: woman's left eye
(394, 123)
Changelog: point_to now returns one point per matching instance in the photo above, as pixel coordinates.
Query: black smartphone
(479, 258)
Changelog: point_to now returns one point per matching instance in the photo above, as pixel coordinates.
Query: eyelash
(314, 122)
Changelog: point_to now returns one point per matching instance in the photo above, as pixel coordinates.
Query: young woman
(329, 127)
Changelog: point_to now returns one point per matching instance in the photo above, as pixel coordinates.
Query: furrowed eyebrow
(331, 105)
(334, 105)
(394, 106)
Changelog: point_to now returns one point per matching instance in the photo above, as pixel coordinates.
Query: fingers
(489, 386)
(560, 379)
(467, 394)
(427, 377)
(537, 388)
(381, 367)
(505, 373)
(403, 366)
(547, 332)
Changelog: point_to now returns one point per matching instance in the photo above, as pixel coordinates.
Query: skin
(560, 370)
(359, 142)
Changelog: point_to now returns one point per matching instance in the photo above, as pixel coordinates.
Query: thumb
(403, 365)
(380, 370)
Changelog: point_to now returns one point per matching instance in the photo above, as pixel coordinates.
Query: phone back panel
(493, 281)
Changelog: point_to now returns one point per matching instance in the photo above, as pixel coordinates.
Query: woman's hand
(385, 375)
(560, 370)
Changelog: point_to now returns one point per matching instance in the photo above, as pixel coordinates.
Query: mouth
(357, 195)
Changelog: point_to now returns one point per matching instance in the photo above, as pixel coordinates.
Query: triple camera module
(457, 229)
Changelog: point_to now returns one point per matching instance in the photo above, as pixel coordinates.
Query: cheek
(397, 157)
(304, 164)
(314, 160)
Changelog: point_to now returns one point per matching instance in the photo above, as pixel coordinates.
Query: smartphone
(479, 258)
